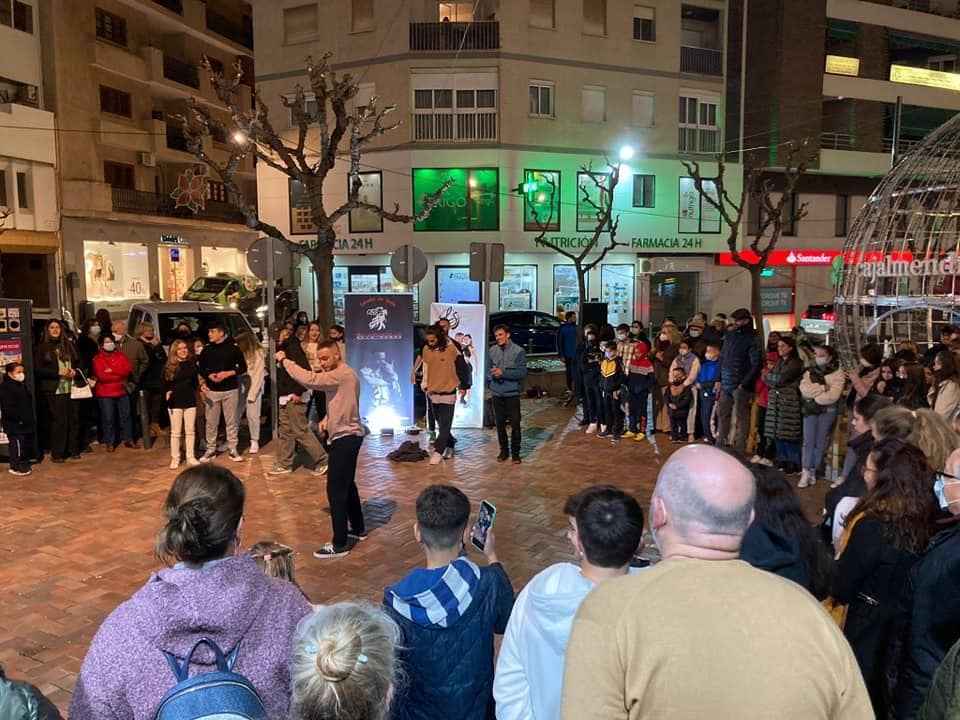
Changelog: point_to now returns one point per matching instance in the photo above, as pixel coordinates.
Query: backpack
(222, 693)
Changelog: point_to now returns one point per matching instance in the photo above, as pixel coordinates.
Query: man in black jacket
(292, 426)
(221, 364)
(741, 359)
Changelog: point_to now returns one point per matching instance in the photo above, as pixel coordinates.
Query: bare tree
(5, 212)
(773, 214)
(603, 184)
(252, 132)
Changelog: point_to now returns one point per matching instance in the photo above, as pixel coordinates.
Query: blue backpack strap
(182, 672)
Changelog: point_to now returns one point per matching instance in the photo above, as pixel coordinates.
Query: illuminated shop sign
(841, 65)
(783, 258)
(923, 76)
(903, 266)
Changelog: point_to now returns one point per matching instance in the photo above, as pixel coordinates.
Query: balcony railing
(455, 127)
(181, 72)
(699, 140)
(902, 147)
(455, 36)
(148, 203)
(836, 141)
(702, 61)
(845, 141)
(174, 5)
(240, 32)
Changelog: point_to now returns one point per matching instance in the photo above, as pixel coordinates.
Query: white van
(166, 316)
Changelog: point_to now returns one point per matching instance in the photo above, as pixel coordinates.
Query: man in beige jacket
(703, 634)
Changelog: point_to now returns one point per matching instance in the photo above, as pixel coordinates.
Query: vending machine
(16, 345)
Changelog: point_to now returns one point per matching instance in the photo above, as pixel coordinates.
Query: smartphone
(484, 522)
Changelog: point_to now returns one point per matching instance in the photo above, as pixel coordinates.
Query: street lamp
(626, 153)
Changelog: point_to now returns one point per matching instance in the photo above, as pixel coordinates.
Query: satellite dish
(409, 264)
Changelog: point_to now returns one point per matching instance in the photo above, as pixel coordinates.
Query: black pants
(89, 413)
(612, 417)
(507, 409)
(155, 409)
(342, 493)
(64, 426)
(444, 415)
(21, 452)
(678, 426)
(592, 402)
(568, 368)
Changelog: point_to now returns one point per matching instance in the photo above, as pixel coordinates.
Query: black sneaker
(516, 460)
(329, 551)
(359, 537)
(502, 457)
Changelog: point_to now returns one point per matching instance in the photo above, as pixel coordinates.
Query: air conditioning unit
(148, 159)
(646, 266)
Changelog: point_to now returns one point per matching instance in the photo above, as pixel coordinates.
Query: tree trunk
(321, 258)
(582, 290)
(755, 304)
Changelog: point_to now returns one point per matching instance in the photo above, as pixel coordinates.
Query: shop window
(542, 14)
(111, 27)
(541, 200)
(518, 289)
(371, 192)
(595, 17)
(842, 221)
(566, 290)
(115, 101)
(118, 175)
(116, 271)
(471, 203)
(300, 22)
(696, 215)
(23, 192)
(592, 193)
(454, 285)
(616, 283)
(643, 23)
(643, 190)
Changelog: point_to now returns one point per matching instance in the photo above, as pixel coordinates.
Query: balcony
(836, 141)
(239, 32)
(172, 5)
(455, 127)
(181, 72)
(698, 140)
(176, 140)
(148, 203)
(454, 36)
(701, 61)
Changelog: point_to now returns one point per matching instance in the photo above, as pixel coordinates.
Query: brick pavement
(77, 539)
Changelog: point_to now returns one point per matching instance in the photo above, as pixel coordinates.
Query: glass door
(673, 295)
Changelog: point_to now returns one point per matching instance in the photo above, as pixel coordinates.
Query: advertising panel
(116, 271)
(467, 328)
(379, 330)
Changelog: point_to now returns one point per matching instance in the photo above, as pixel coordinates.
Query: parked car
(166, 316)
(818, 319)
(534, 331)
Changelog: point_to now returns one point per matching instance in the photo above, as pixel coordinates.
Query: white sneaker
(448, 453)
(805, 479)
(756, 459)
(280, 471)
(208, 456)
(192, 461)
(320, 470)
(838, 482)
(591, 428)
(235, 456)
(174, 464)
(435, 458)
(254, 448)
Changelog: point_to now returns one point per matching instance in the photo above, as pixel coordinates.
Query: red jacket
(110, 384)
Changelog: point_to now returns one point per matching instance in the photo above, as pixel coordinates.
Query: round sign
(257, 258)
(408, 270)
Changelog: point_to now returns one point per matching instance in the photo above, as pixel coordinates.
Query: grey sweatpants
(215, 402)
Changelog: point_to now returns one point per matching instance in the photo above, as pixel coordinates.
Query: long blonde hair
(921, 428)
(249, 346)
(172, 365)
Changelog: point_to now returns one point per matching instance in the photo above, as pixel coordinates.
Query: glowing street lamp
(626, 153)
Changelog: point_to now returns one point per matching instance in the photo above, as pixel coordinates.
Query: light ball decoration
(898, 277)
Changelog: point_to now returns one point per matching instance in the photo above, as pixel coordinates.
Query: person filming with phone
(449, 611)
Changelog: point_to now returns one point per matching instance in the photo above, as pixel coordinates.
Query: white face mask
(117, 336)
(684, 351)
(621, 336)
(109, 346)
(19, 377)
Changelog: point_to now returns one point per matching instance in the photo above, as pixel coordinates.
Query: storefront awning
(28, 241)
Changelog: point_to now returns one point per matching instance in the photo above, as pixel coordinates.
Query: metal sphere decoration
(898, 277)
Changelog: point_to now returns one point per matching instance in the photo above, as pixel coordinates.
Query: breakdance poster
(379, 335)
(467, 327)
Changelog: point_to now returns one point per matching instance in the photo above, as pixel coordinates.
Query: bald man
(703, 634)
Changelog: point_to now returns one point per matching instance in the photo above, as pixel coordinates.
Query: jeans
(734, 403)
(444, 413)
(592, 402)
(707, 399)
(215, 402)
(692, 415)
(342, 494)
(507, 409)
(788, 451)
(638, 387)
(113, 412)
(816, 435)
(292, 428)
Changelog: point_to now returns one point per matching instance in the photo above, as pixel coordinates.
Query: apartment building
(28, 237)
(510, 99)
(830, 72)
(118, 72)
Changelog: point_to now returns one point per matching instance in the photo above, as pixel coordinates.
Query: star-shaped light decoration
(191, 191)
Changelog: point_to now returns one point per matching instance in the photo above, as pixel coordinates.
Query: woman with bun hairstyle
(208, 592)
(344, 664)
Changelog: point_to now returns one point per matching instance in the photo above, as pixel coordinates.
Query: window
(17, 15)
(541, 200)
(361, 17)
(518, 289)
(309, 107)
(595, 17)
(566, 288)
(643, 24)
(23, 198)
(455, 108)
(118, 175)
(115, 101)
(643, 190)
(111, 27)
(542, 14)
(643, 109)
(472, 202)
(696, 215)
(301, 213)
(541, 98)
(842, 222)
(300, 23)
(593, 102)
(371, 192)
(592, 198)
(699, 131)
(943, 63)
(454, 285)
(3, 189)
(365, 92)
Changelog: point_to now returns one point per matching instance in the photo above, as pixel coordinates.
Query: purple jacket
(125, 675)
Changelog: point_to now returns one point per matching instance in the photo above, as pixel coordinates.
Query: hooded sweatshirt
(449, 616)
(125, 674)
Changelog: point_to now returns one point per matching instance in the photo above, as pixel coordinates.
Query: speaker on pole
(594, 312)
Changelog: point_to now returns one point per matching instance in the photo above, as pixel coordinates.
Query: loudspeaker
(594, 312)
(87, 311)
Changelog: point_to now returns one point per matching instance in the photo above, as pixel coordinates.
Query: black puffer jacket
(931, 619)
(741, 359)
(22, 701)
(784, 419)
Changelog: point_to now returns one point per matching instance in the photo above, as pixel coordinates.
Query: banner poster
(467, 328)
(379, 335)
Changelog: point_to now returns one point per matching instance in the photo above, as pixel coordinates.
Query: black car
(534, 331)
